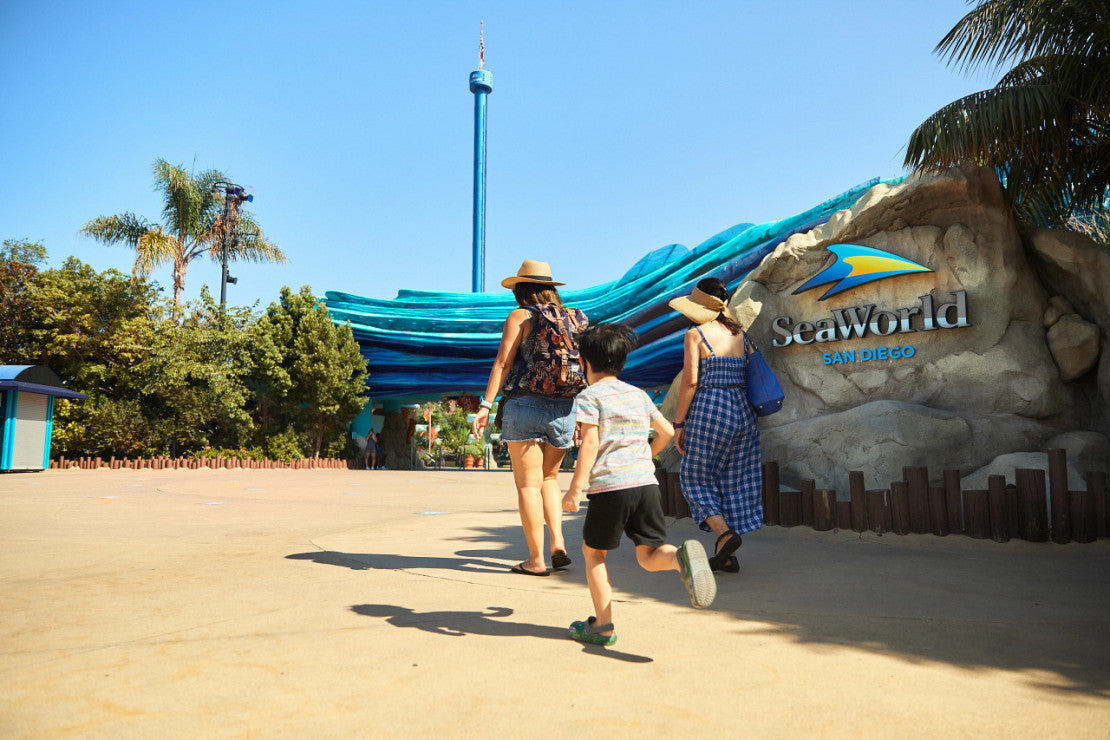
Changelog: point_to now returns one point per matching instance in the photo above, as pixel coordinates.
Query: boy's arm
(587, 454)
(663, 434)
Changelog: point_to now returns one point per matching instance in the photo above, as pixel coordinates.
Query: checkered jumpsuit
(720, 473)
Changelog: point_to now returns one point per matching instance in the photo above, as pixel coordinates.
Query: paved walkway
(165, 604)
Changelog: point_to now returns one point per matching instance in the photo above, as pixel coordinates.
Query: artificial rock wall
(1001, 384)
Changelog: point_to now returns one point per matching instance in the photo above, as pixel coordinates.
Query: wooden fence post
(858, 500)
(1000, 530)
(1061, 503)
(1032, 504)
(917, 494)
(977, 516)
(953, 501)
(808, 486)
(681, 506)
(938, 511)
(771, 492)
(824, 510)
(1013, 511)
(1096, 486)
(879, 518)
(1082, 506)
(844, 515)
(899, 507)
(790, 508)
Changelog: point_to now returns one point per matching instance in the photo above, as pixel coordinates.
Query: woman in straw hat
(538, 373)
(715, 428)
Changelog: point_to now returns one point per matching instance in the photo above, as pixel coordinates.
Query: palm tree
(1045, 126)
(192, 227)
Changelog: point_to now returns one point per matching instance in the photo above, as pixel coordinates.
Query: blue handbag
(764, 392)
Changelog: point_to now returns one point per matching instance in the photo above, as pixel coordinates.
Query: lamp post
(234, 196)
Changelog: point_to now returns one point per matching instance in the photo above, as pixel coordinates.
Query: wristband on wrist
(678, 424)
(486, 404)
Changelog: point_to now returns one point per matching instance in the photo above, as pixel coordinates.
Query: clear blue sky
(614, 127)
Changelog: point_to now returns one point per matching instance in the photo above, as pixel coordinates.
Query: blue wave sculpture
(423, 344)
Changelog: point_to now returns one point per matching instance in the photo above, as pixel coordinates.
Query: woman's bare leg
(717, 524)
(528, 466)
(552, 496)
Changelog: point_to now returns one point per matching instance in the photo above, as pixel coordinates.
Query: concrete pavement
(244, 603)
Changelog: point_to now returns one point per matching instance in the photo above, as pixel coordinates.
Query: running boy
(614, 464)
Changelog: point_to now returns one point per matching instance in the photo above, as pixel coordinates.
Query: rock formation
(948, 368)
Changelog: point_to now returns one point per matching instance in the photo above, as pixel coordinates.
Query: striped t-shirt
(623, 415)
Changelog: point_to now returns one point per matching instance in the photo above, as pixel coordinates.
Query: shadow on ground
(1036, 609)
(493, 624)
(389, 561)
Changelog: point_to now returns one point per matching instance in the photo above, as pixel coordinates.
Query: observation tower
(481, 84)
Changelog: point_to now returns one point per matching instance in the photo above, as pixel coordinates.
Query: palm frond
(988, 128)
(998, 31)
(125, 227)
(253, 245)
(154, 248)
(1029, 72)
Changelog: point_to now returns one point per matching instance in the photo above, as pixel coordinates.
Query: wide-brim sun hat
(699, 307)
(531, 271)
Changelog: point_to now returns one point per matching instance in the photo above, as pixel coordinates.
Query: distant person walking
(370, 454)
(538, 374)
(715, 427)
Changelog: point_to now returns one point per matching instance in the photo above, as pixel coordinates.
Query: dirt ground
(243, 603)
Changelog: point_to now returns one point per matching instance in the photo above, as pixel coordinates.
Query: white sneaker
(696, 574)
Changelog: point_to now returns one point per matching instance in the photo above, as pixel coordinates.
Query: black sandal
(724, 560)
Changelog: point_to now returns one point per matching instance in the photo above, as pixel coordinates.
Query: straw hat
(531, 271)
(699, 307)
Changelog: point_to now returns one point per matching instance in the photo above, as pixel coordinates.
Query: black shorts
(638, 512)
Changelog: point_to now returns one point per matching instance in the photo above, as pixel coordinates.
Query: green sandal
(590, 632)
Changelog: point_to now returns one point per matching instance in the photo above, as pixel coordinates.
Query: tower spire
(481, 84)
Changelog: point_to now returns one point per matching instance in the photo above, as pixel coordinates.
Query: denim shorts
(539, 419)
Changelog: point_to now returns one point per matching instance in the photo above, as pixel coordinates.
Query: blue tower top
(481, 80)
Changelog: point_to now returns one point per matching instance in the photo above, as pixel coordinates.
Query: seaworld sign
(855, 266)
(863, 321)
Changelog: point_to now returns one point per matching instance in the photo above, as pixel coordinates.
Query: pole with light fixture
(234, 196)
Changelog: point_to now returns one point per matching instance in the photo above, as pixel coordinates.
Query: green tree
(87, 326)
(19, 261)
(92, 329)
(192, 381)
(1046, 125)
(192, 227)
(309, 372)
(155, 386)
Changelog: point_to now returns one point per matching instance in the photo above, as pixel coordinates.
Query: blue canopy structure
(424, 344)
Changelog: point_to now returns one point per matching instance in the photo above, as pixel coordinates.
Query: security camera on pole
(234, 196)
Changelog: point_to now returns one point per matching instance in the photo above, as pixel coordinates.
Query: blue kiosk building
(27, 394)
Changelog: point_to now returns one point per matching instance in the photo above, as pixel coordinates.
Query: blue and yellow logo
(856, 265)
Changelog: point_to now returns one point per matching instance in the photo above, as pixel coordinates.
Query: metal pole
(223, 251)
(478, 278)
(481, 84)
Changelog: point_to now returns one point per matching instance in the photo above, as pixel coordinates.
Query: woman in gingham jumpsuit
(720, 470)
